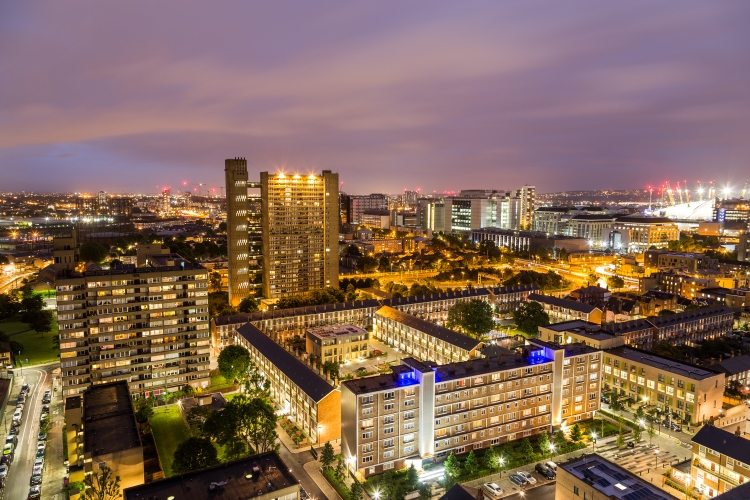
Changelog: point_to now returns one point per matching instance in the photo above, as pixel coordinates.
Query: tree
(198, 415)
(620, 439)
(615, 282)
(331, 368)
(560, 440)
(144, 411)
(452, 470)
(592, 279)
(233, 362)
(214, 282)
(491, 459)
(327, 456)
(543, 442)
(102, 486)
(526, 448)
(472, 463)
(425, 491)
(247, 424)
(193, 454)
(412, 477)
(666, 312)
(575, 433)
(355, 493)
(530, 316)
(247, 305)
(650, 431)
(351, 293)
(473, 317)
(41, 322)
(340, 468)
(640, 414)
(92, 252)
(637, 432)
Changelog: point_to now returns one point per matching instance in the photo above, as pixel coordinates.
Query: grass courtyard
(169, 430)
(37, 348)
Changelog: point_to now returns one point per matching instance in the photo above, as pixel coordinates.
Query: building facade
(337, 344)
(692, 392)
(721, 460)
(300, 221)
(146, 324)
(634, 234)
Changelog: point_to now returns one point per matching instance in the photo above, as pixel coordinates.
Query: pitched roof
(439, 332)
(724, 442)
(567, 304)
(735, 365)
(299, 373)
(457, 492)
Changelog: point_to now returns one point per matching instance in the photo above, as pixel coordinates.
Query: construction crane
(744, 190)
(687, 193)
(670, 194)
(679, 192)
(700, 191)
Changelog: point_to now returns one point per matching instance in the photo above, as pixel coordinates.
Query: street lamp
(656, 459)
(593, 441)
(376, 495)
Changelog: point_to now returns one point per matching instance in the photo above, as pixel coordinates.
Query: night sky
(133, 96)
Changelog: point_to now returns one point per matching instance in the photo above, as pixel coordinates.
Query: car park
(515, 478)
(552, 465)
(545, 471)
(36, 479)
(35, 493)
(492, 489)
(527, 476)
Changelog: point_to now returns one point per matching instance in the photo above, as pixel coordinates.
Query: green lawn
(218, 382)
(169, 430)
(37, 348)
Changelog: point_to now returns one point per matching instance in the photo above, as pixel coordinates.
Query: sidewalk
(313, 470)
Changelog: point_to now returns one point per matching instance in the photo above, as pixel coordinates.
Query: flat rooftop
(108, 419)
(662, 363)
(583, 328)
(613, 481)
(332, 332)
(248, 477)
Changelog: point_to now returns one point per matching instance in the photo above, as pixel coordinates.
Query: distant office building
(380, 219)
(686, 261)
(593, 477)
(300, 221)
(743, 248)
(467, 213)
(633, 234)
(515, 210)
(527, 241)
(359, 204)
(146, 323)
(732, 210)
(431, 214)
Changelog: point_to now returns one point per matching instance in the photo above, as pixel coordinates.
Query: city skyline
(389, 96)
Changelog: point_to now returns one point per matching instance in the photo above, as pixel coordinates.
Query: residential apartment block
(633, 234)
(694, 392)
(422, 339)
(423, 411)
(286, 323)
(301, 394)
(567, 310)
(146, 324)
(337, 343)
(721, 460)
(300, 225)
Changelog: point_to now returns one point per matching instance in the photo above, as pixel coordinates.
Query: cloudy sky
(133, 96)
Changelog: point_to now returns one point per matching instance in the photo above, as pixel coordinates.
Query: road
(7, 282)
(545, 492)
(17, 485)
(296, 461)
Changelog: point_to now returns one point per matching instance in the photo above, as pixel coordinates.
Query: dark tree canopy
(193, 454)
(247, 305)
(473, 317)
(92, 252)
(530, 316)
(233, 362)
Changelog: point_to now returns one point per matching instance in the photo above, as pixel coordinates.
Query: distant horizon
(132, 97)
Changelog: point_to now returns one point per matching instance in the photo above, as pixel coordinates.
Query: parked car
(552, 465)
(42, 417)
(45, 409)
(676, 427)
(25, 387)
(6, 459)
(39, 462)
(41, 446)
(8, 450)
(37, 470)
(303, 494)
(13, 430)
(35, 480)
(492, 489)
(518, 480)
(39, 453)
(42, 436)
(35, 492)
(375, 352)
(631, 444)
(46, 400)
(665, 423)
(3, 471)
(11, 439)
(527, 476)
(545, 471)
